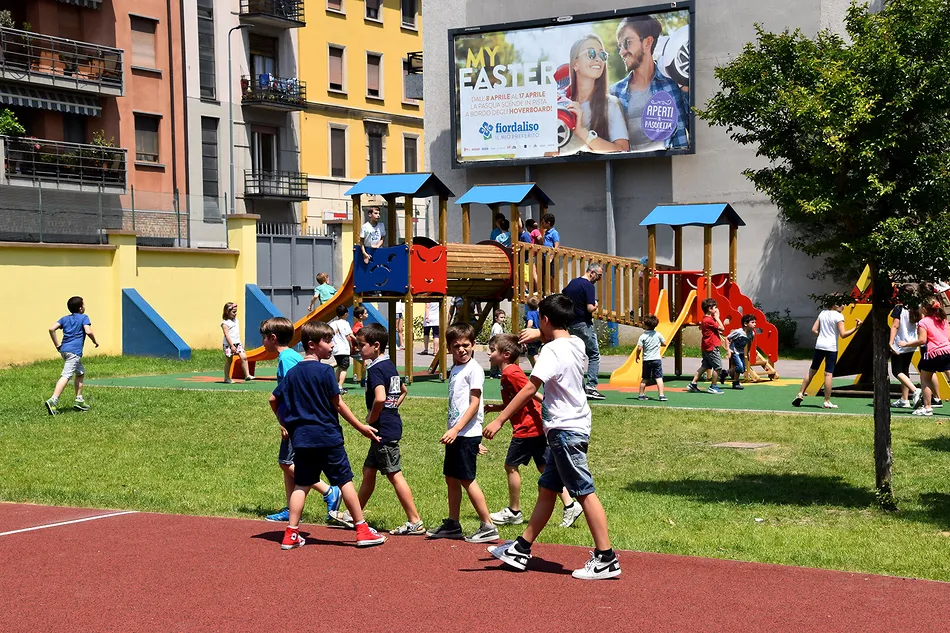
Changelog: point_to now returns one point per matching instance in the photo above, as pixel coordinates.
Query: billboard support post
(611, 221)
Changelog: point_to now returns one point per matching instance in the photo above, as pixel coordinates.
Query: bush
(787, 327)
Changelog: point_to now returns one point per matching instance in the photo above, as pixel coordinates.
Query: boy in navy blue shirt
(309, 400)
(384, 393)
(76, 326)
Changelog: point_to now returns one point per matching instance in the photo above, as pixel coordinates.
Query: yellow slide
(630, 373)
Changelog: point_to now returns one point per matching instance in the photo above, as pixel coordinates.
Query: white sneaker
(571, 513)
(936, 403)
(509, 555)
(506, 516)
(597, 569)
(915, 400)
(901, 404)
(484, 534)
(923, 411)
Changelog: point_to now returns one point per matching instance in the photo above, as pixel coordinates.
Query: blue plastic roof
(417, 185)
(520, 194)
(706, 214)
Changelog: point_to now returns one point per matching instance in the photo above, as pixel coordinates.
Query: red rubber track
(154, 572)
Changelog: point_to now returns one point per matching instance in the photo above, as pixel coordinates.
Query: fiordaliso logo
(486, 130)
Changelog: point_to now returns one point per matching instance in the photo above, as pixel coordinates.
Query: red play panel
(179, 573)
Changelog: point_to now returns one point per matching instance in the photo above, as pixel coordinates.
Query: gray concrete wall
(769, 270)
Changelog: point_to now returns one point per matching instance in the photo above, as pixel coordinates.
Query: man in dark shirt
(582, 293)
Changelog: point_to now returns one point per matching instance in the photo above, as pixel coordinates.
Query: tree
(856, 133)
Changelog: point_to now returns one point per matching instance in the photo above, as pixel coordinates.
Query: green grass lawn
(806, 500)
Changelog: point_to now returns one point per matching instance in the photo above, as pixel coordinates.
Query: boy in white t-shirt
(463, 437)
(372, 234)
(649, 347)
(828, 326)
(498, 327)
(343, 343)
(566, 418)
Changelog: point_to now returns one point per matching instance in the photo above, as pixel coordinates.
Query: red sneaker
(292, 539)
(367, 536)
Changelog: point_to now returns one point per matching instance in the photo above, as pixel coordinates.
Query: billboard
(584, 87)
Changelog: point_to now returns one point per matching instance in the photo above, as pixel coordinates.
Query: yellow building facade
(359, 119)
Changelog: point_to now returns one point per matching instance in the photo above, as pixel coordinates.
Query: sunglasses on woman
(593, 54)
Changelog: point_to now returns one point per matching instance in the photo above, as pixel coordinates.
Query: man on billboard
(655, 106)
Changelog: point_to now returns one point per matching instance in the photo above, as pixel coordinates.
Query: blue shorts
(738, 362)
(652, 370)
(824, 355)
(310, 462)
(286, 453)
(567, 464)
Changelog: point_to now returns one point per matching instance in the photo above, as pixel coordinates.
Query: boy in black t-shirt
(384, 393)
(308, 400)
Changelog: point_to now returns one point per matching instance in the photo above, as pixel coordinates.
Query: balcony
(89, 4)
(273, 93)
(276, 185)
(43, 60)
(281, 14)
(31, 162)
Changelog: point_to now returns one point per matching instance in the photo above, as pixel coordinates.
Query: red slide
(733, 305)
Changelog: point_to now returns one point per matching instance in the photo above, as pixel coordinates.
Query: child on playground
(648, 347)
(462, 439)
(496, 226)
(276, 334)
(322, 292)
(372, 233)
(430, 326)
(232, 342)
(343, 344)
(829, 326)
(903, 330)
(527, 436)
(76, 326)
(498, 327)
(567, 424)
(504, 237)
(551, 238)
(384, 393)
(534, 231)
(531, 320)
(711, 328)
(738, 339)
(307, 404)
(359, 368)
(933, 332)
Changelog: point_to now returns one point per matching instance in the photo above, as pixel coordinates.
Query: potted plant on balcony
(11, 128)
(108, 161)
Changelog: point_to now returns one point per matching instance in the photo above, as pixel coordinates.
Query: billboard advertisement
(583, 87)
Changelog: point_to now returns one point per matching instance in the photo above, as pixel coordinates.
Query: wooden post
(678, 301)
(466, 223)
(651, 267)
(444, 304)
(707, 260)
(517, 266)
(407, 213)
(357, 217)
(733, 252)
(443, 326)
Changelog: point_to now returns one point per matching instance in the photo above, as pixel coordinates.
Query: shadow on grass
(936, 444)
(791, 489)
(935, 510)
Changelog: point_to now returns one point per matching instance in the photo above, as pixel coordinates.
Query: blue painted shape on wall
(145, 333)
(257, 308)
(386, 273)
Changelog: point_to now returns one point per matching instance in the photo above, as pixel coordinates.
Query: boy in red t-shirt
(711, 328)
(527, 437)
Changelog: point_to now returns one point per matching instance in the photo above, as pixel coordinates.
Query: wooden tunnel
(479, 271)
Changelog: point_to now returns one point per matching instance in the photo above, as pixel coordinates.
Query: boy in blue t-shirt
(532, 320)
(307, 403)
(738, 339)
(276, 334)
(384, 393)
(76, 326)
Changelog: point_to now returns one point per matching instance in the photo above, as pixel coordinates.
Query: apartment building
(359, 120)
(97, 120)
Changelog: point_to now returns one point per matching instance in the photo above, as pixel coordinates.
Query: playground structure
(422, 270)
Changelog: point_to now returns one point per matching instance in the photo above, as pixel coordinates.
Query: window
(209, 168)
(374, 10)
(74, 128)
(263, 52)
(335, 5)
(143, 42)
(374, 79)
(410, 154)
(263, 149)
(409, 13)
(338, 152)
(374, 139)
(336, 68)
(146, 138)
(206, 48)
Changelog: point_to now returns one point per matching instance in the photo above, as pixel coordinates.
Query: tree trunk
(883, 457)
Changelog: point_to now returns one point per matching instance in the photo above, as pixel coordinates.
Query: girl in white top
(232, 342)
(904, 330)
(828, 326)
(600, 126)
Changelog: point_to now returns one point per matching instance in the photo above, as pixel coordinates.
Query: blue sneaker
(714, 389)
(279, 517)
(332, 498)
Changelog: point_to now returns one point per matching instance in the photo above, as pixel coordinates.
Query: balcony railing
(284, 185)
(272, 92)
(54, 61)
(279, 13)
(74, 165)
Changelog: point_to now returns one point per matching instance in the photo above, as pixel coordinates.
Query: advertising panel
(584, 87)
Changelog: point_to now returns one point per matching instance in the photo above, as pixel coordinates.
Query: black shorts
(343, 362)
(652, 369)
(310, 462)
(523, 449)
(286, 453)
(533, 349)
(431, 330)
(460, 458)
(936, 364)
(824, 355)
(900, 363)
(385, 457)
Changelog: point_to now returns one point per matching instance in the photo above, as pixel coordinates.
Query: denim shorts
(567, 464)
(738, 362)
(72, 364)
(286, 453)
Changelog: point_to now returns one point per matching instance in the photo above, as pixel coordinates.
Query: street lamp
(231, 109)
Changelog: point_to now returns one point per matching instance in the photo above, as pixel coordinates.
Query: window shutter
(337, 153)
(336, 5)
(372, 75)
(143, 42)
(336, 68)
